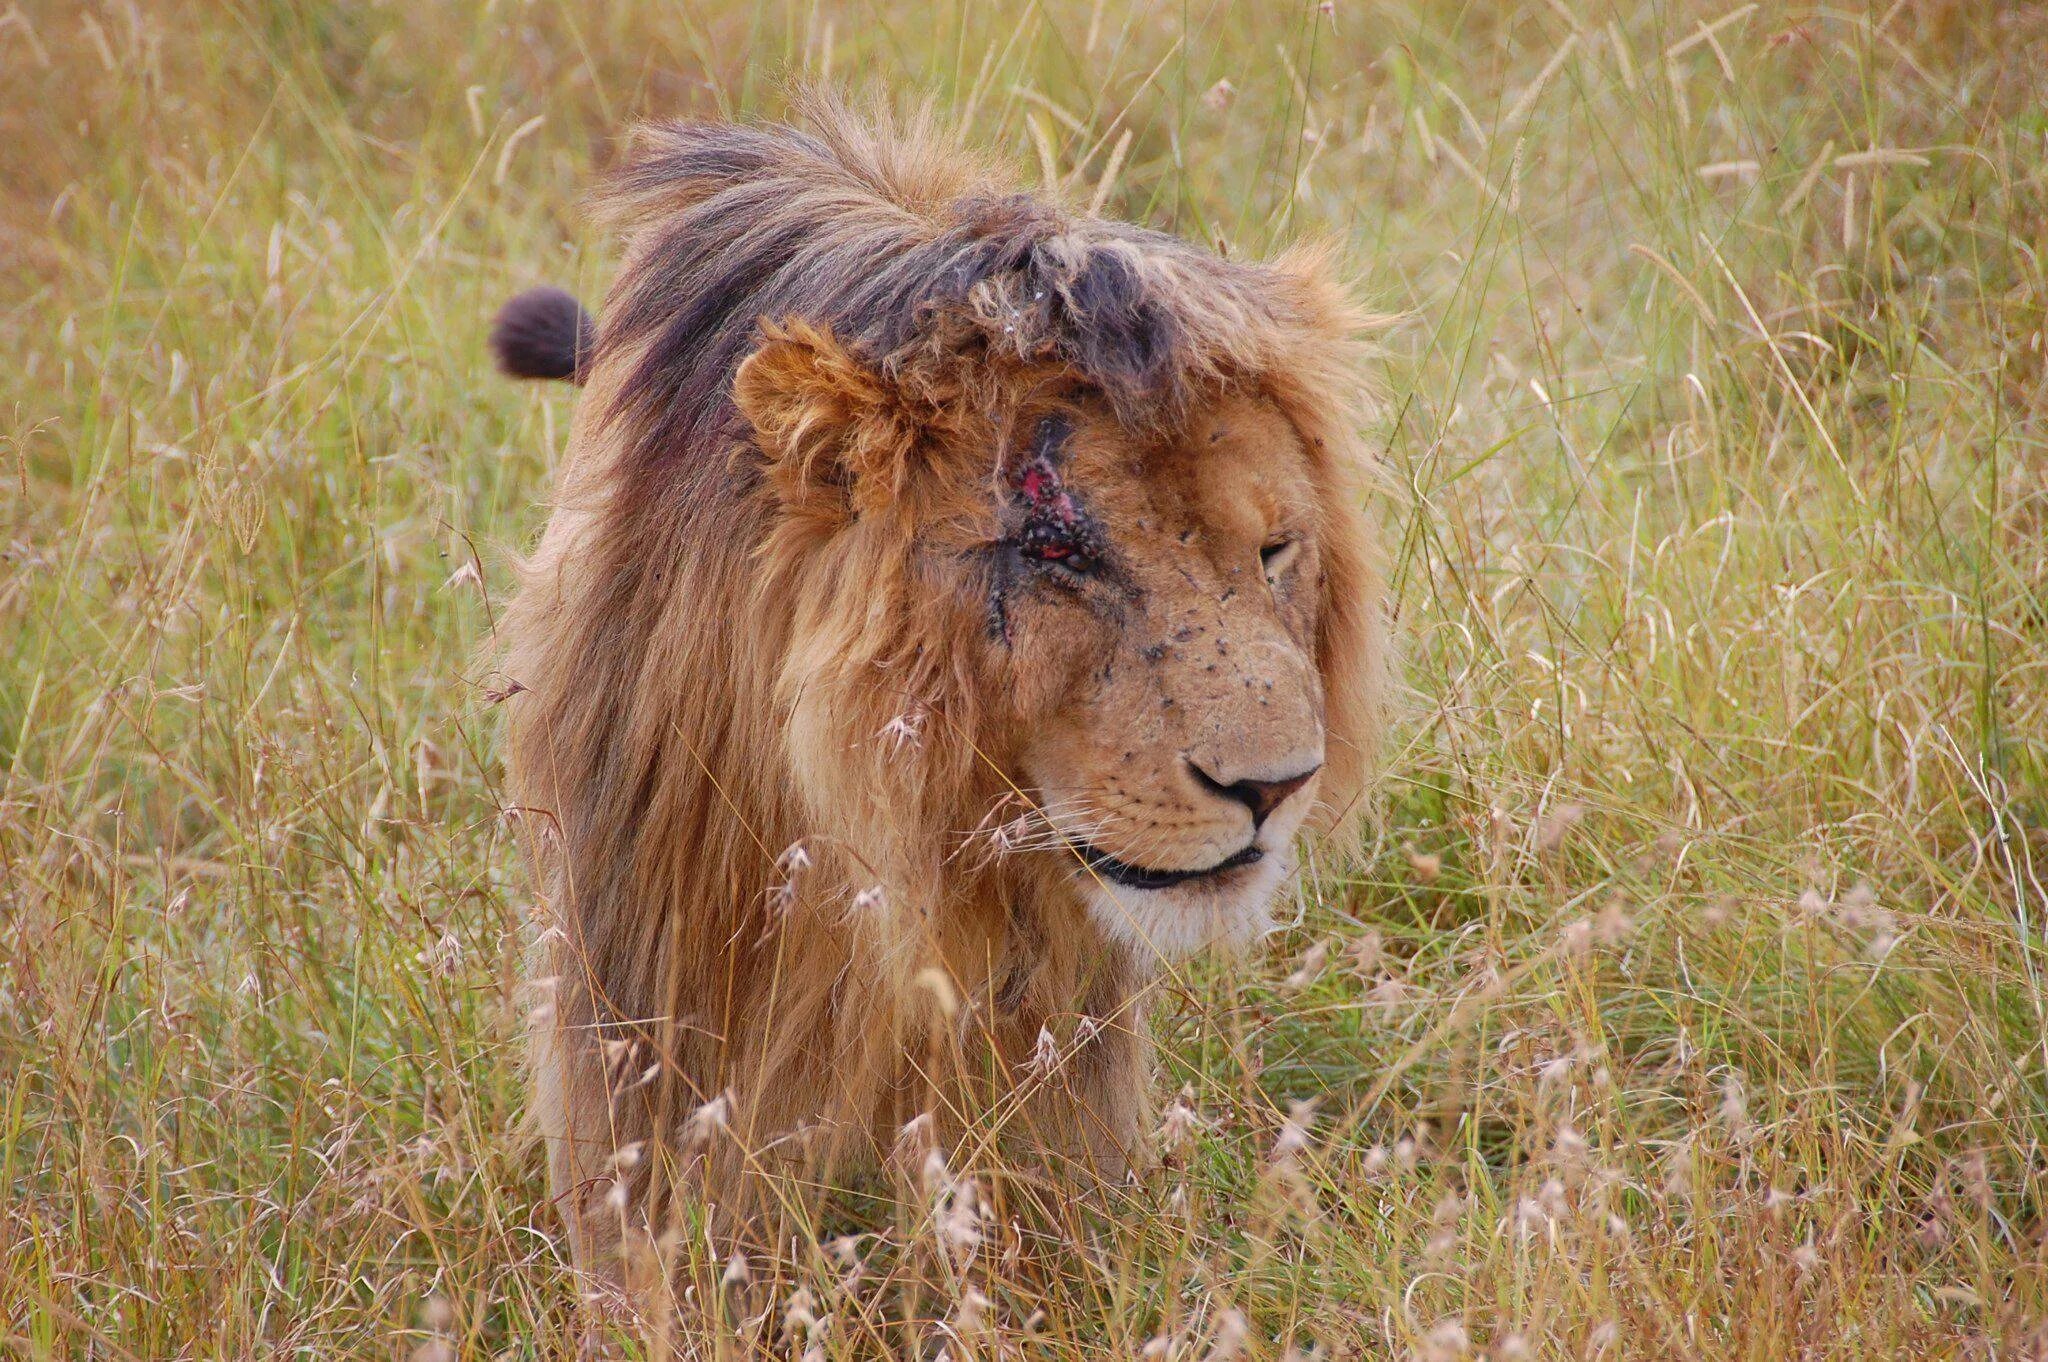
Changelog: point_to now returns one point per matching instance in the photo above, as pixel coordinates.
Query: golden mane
(747, 750)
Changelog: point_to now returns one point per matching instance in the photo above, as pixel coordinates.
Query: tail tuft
(543, 333)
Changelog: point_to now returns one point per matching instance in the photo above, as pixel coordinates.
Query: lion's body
(755, 726)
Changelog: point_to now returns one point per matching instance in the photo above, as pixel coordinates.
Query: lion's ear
(832, 429)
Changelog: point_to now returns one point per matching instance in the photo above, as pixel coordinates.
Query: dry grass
(1689, 1003)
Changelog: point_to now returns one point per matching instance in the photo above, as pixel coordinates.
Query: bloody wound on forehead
(1055, 528)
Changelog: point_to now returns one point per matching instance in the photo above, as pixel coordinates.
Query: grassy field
(1688, 1001)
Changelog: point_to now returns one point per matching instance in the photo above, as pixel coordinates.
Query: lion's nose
(1260, 796)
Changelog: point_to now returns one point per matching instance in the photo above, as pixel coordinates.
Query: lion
(955, 611)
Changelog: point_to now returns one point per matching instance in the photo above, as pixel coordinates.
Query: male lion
(954, 609)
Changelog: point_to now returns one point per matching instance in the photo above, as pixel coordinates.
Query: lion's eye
(1277, 557)
(1044, 544)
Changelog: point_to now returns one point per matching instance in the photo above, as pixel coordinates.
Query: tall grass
(1689, 1001)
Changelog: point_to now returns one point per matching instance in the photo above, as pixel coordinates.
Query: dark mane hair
(921, 261)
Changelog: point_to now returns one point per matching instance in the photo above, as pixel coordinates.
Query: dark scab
(1000, 571)
(1155, 652)
(1228, 592)
(1184, 633)
(1218, 433)
(1186, 535)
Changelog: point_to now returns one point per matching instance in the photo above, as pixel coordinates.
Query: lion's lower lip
(1141, 877)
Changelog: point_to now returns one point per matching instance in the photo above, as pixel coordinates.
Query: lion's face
(1158, 638)
(1152, 608)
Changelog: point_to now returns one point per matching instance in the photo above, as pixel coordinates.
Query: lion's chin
(1173, 924)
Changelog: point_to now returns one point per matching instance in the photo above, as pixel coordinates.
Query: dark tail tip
(543, 333)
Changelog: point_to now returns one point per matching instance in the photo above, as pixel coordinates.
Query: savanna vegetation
(1688, 998)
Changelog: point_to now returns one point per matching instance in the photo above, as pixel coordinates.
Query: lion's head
(940, 579)
(1149, 620)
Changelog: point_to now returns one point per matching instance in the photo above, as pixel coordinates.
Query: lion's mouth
(1142, 877)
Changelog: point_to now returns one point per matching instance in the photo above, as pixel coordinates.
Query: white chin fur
(1173, 924)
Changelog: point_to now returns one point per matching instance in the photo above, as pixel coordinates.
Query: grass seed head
(1446, 1341)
